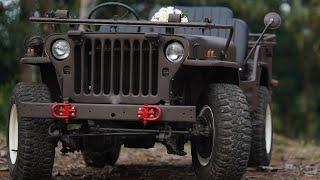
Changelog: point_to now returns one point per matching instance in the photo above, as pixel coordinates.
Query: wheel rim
(205, 144)
(268, 129)
(13, 134)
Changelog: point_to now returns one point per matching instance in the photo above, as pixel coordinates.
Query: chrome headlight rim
(63, 46)
(174, 46)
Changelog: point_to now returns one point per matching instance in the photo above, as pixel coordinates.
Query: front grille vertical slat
(150, 69)
(112, 64)
(93, 61)
(121, 64)
(82, 67)
(131, 68)
(102, 69)
(140, 66)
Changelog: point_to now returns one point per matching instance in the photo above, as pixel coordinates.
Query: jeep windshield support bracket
(98, 22)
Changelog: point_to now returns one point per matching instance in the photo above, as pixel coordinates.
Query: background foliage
(296, 63)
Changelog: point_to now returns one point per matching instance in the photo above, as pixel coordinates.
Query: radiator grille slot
(127, 67)
(107, 67)
(87, 67)
(136, 67)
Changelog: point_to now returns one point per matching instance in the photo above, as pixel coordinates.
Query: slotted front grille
(116, 66)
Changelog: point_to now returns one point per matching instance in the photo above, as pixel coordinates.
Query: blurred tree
(46, 6)
(303, 24)
(1, 9)
(85, 7)
(27, 8)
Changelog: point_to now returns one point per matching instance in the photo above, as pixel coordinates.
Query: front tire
(261, 148)
(30, 154)
(225, 153)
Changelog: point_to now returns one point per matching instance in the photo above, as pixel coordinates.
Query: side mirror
(273, 20)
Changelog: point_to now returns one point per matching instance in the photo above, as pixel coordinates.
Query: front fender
(35, 60)
(211, 63)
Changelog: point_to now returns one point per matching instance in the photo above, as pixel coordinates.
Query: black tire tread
(36, 154)
(258, 155)
(233, 133)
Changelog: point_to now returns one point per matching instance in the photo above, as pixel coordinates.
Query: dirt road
(291, 160)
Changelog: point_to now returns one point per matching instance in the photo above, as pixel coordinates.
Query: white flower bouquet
(163, 14)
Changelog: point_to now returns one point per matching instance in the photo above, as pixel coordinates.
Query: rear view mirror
(274, 19)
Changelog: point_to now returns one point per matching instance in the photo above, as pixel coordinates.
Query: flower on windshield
(163, 14)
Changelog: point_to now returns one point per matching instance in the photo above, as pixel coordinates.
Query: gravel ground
(290, 160)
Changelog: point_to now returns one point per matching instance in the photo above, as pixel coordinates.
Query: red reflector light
(63, 111)
(149, 113)
(275, 83)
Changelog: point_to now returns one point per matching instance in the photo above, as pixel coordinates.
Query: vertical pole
(85, 7)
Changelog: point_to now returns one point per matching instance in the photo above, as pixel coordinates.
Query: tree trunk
(46, 6)
(27, 8)
(85, 7)
(307, 97)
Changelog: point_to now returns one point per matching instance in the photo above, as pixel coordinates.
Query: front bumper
(106, 112)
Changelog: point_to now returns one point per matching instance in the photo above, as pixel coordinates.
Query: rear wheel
(261, 148)
(99, 152)
(30, 154)
(225, 153)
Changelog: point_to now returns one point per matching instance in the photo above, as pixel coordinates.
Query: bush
(5, 92)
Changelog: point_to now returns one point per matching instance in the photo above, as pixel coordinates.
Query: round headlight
(61, 49)
(174, 52)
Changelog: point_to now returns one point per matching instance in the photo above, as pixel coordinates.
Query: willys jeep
(132, 83)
